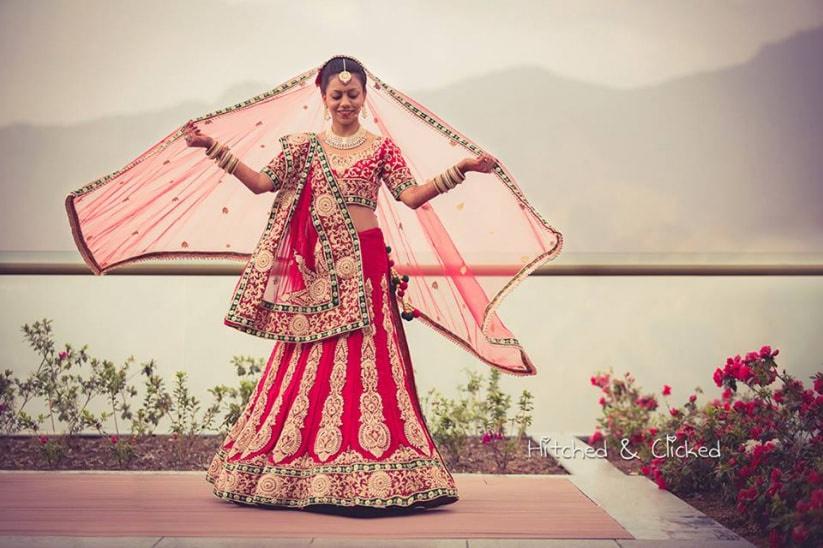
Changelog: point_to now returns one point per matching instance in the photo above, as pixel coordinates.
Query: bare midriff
(363, 217)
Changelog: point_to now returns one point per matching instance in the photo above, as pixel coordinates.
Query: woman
(336, 420)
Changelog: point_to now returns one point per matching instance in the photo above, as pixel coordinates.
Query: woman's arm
(255, 181)
(417, 195)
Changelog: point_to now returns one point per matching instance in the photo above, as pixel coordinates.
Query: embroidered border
(398, 190)
(359, 200)
(304, 482)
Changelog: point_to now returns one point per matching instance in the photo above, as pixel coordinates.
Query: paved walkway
(595, 505)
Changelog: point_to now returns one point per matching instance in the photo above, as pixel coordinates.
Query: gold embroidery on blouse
(329, 437)
(264, 434)
(373, 434)
(290, 438)
(411, 424)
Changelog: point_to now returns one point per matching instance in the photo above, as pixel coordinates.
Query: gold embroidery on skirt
(329, 438)
(320, 485)
(349, 477)
(264, 434)
(411, 424)
(248, 425)
(290, 438)
(373, 434)
(269, 485)
(379, 484)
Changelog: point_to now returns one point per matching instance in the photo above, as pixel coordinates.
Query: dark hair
(335, 66)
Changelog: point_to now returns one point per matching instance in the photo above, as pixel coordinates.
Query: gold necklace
(345, 142)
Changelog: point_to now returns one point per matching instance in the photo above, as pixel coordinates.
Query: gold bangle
(212, 147)
(218, 152)
(459, 175)
(233, 165)
(447, 179)
(224, 162)
(452, 177)
(436, 181)
(221, 153)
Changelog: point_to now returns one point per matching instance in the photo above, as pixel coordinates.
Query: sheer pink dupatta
(463, 251)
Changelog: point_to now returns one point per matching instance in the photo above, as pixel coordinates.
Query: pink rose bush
(761, 442)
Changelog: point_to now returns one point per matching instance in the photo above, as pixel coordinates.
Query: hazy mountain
(721, 161)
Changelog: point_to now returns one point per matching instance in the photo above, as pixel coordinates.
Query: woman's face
(344, 101)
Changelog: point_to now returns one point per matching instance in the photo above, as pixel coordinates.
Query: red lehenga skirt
(337, 422)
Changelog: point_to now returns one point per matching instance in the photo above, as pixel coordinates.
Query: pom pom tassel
(399, 285)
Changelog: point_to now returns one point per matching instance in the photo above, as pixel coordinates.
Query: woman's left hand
(482, 164)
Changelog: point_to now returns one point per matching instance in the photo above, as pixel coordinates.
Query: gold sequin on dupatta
(373, 434)
(329, 437)
(411, 424)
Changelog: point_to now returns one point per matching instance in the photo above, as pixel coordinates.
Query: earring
(363, 112)
(326, 115)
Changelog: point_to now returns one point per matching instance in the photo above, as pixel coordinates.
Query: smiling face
(344, 101)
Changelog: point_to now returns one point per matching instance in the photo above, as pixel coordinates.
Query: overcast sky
(69, 61)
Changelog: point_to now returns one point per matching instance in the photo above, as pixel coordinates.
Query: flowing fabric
(464, 251)
(337, 421)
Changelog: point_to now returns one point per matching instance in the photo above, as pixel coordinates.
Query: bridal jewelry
(350, 141)
(344, 76)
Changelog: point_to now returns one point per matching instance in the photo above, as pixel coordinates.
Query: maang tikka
(344, 76)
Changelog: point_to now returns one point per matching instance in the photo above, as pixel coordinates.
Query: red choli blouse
(360, 181)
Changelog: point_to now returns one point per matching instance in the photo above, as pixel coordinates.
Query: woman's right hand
(194, 137)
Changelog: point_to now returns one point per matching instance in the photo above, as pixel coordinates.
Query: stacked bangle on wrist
(225, 159)
(449, 179)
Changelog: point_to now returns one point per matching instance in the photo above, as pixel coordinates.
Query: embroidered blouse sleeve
(278, 168)
(394, 172)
